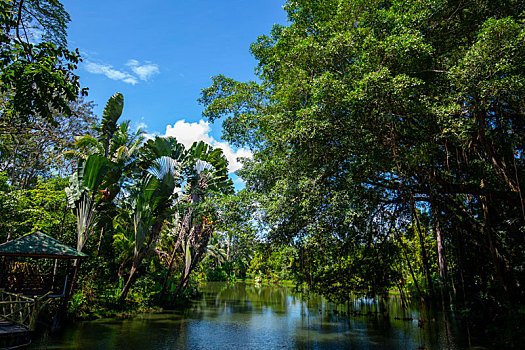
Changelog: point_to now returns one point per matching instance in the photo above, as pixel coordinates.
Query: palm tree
(115, 143)
(84, 197)
(83, 193)
(207, 176)
(201, 171)
(215, 251)
(152, 201)
(122, 146)
(96, 181)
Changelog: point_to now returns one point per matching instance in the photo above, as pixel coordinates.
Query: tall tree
(207, 178)
(369, 113)
(32, 150)
(36, 73)
(199, 173)
(152, 201)
(115, 143)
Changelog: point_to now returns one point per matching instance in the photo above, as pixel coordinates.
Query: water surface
(247, 316)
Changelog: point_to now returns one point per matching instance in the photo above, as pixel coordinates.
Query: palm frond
(163, 166)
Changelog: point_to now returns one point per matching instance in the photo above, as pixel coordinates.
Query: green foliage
(236, 232)
(42, 208)
(36, 78)
(110, 116)
(32, 150)
(388, 146)
(273, 263)
(83, 193)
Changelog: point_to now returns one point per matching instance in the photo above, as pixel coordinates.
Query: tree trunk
(127, 286)
(228, 248)
(442, 263)
(120, 273)
(76, 267)
(200, 238)
(100, 240)
(157, 226)
(182, 283)
(172, 259)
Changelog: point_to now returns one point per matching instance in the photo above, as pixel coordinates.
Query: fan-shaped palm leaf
(110, 115)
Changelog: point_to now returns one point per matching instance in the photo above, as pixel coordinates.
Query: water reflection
(243, 316)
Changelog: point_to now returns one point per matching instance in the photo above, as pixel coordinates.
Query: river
(247, 316)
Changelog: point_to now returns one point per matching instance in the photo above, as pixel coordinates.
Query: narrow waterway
(247, 316)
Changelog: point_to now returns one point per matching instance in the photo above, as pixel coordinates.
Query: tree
(36, 74)
(116, 143)
(237, 225)
(98, 178)
(207, 178)
(151, 202)
(371, 113)
(31, 151)
(198, 173)
(84, 195)
(98, 169)
(42, 207)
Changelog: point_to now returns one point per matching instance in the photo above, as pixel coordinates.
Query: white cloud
(187, 133)
(108, 71)
(232, 155)
(130, 80)
(142, 126)
(144, 71)
(140, 71)
(132, 62)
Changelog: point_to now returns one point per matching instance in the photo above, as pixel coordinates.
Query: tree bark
(139, 257)
(172, 259)
(100, 240)
(442, 263)
(127, 286)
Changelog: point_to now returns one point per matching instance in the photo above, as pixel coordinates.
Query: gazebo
(24, 279)
(24, 289)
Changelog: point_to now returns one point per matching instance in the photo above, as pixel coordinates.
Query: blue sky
(160, 54)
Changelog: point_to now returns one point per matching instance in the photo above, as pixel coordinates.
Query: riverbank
(288, 283)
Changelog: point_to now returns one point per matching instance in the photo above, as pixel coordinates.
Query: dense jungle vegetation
(388, 141)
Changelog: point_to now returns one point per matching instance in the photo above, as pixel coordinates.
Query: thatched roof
(39, 245)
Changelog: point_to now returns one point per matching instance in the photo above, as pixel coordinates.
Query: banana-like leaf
(161, 147)
(164, 166)
(111, 114)
(202, 165)
(74, 155)
(124, 144)
(199, 149)
(87, 142)
(85, 213)
(91, 172)
(86, 180)
(74, 191)
(217, 177)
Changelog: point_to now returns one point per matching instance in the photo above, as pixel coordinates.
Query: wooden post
(34, 314)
